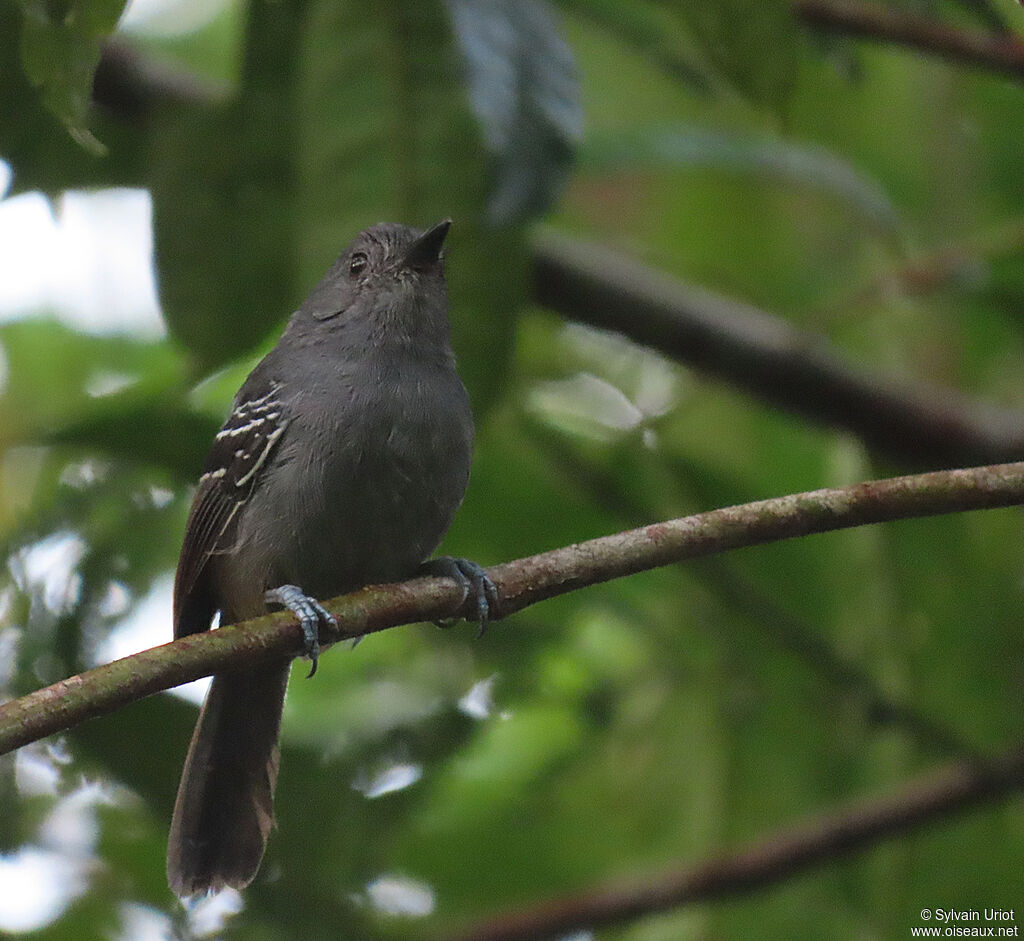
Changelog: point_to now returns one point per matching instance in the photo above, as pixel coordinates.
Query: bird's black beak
(426, 250)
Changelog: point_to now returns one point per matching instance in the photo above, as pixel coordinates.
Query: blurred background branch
(782, 855)
(766, 356)
(998, 51)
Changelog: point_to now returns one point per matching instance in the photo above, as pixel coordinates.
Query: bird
(341, 464)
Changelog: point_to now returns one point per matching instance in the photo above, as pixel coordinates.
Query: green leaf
(90, 369)
(222, 183)
(36, 143)
(772, 158)
(524, 91)
(60, 48)
(155, 430)
(221, 231)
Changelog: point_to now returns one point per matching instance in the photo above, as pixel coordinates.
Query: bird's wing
(240, 451)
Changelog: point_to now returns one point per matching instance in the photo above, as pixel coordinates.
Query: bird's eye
(357, 265)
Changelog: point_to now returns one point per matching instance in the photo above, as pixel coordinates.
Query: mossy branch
(520, 583)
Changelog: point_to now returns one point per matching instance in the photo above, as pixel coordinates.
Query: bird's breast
(392, 470)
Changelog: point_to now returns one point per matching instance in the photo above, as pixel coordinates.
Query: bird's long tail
(225, 807)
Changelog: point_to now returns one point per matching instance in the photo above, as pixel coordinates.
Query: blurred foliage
(428, 779)
(60, 49)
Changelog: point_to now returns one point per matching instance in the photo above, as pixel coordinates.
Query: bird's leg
(473, 580)
(311, 615)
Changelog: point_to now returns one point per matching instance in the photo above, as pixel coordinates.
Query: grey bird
(342, 463)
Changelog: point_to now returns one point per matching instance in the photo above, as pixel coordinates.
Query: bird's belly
(380, 512)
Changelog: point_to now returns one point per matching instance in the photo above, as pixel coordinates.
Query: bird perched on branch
(341, 464)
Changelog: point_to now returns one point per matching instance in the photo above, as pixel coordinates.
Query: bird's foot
(475, 583)
(311, 615)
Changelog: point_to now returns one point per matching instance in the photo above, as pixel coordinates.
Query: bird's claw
(311, 614)
(475, 583)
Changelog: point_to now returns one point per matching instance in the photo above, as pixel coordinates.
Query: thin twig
(520, 583)
(997, 52)
(941, 268)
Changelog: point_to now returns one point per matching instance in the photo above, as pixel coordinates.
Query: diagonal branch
(955, 788)
(520, 583)
(996, 52)
(752, 350)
